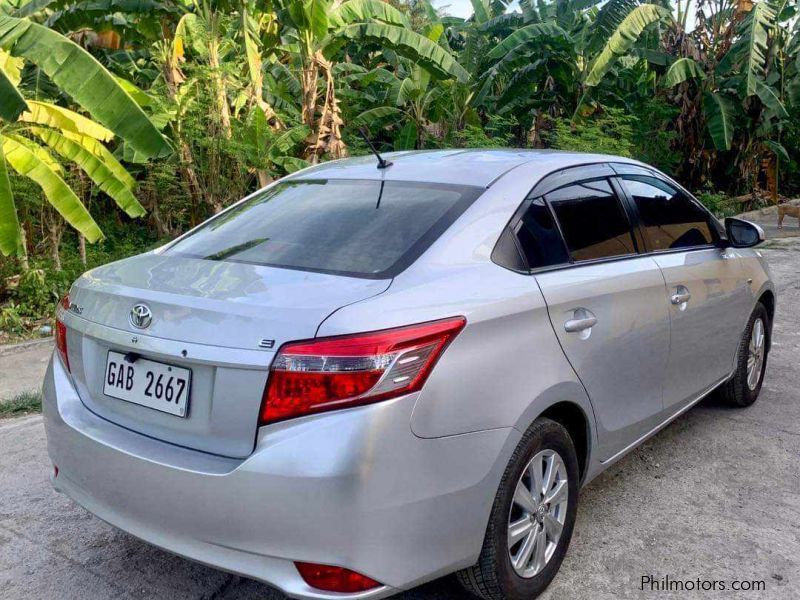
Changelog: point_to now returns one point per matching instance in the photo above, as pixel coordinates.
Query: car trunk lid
(222, 320)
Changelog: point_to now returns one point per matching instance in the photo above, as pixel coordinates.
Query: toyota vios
(359, 379)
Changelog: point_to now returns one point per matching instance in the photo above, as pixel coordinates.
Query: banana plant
(32, 131)
(558, 53)
(316, 30)
(750, 83)
(411, 100)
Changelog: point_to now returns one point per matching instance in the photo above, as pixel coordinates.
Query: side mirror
(743, 234)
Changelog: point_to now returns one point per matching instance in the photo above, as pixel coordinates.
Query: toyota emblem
(141, 317)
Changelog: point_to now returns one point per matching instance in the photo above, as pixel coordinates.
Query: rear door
(607, 306)
(706, 290)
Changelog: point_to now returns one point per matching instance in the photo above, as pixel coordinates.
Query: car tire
(743, 387)
(502, 572)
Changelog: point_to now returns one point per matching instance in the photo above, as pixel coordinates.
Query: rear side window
(368, 229)
(539, 238)
(592, 220)
(668, 218)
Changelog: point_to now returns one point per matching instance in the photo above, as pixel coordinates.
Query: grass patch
(21, 404)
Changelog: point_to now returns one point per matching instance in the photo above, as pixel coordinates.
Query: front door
(705, 286)
(609, 312)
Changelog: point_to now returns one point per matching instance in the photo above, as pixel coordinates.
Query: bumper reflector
(335, 579)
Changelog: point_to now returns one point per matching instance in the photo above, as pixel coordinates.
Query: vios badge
(141, 316)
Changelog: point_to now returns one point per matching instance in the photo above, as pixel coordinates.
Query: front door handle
(581, 320)
(681, 296)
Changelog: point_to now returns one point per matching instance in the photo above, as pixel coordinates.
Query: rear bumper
(355, 489)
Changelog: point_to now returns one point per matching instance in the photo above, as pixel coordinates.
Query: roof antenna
(382, 164)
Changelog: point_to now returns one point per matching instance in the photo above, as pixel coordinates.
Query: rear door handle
(581, 321)
(681, 296)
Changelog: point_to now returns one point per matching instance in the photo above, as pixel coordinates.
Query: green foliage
(719, 203)
(11, 322)
(655, 141)
(608, 132)
(21, 404)
(496, 133)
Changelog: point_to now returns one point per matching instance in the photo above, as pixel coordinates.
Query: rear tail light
(343, 371)
(61, 334)
(335, 579)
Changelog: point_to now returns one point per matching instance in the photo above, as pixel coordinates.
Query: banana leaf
(9, 224)
(58, 193)
(408, 44)
(83, 78)
(97, 171)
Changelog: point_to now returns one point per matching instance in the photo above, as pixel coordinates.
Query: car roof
(475, 167)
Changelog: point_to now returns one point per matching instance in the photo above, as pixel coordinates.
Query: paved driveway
(714, 496)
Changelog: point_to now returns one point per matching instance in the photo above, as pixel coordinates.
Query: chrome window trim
(623, 169)
(614, 172)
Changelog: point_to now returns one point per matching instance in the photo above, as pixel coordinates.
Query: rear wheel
(532, 518)
(743, 388)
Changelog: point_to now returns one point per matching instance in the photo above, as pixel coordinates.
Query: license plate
(148, 383)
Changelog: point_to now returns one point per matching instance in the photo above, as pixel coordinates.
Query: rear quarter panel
(502, 370)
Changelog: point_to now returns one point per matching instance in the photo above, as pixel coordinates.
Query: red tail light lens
(335, 579)
(339, 372)
(61, 334)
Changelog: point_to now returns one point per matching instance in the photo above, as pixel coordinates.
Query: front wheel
(532, 518)
(743, 387)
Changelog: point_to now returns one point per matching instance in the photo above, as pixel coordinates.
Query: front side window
(668, 218)
(360, 228)
(592, 220)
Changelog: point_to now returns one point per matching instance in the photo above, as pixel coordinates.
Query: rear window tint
(539, 237)
(351, 227)
(592, 220)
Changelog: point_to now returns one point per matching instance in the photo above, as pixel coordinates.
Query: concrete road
(715, 496)
(22, 367)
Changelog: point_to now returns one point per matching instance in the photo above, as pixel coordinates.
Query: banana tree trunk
(82, 249)
(326, 137)
(55, 229)
(173, 78)
(308, 81)
(220, 87)
(264, 178)
(23, 245)
(255, 64)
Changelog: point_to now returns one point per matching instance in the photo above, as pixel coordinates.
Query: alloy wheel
(538, 512)
(755, 354)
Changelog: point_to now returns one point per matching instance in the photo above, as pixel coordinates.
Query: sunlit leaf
(623, 39)
(410, 45)
(354, 11)
(81, 76)
(682, 70)
(375, 115)
(58, 117)
(57, 192)
(98, 172)
(9, 224)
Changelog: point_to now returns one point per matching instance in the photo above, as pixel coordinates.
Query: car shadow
(609, 485)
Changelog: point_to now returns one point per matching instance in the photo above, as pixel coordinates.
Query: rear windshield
(361, 228)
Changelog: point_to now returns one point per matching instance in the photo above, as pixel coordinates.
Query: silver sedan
(359, 379)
